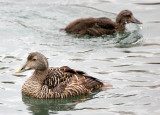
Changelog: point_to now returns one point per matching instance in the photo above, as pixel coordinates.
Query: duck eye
(128, 16)
(34, 59)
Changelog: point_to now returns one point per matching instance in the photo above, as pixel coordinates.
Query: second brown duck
(101, 26)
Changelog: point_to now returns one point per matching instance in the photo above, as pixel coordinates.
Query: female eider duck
(101, 26)
(59, 82)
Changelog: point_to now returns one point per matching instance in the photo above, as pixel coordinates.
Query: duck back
(91, 26)
(66, 82)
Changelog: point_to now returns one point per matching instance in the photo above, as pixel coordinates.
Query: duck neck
(40, 75)
(121, 26)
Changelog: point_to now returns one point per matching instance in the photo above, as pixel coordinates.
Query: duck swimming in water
(57, 82)
(101, 26)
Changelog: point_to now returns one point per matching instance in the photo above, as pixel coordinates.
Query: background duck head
(124, 17)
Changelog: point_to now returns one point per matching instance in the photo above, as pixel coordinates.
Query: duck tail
(92, 82)
(106, 86)
(62, 29)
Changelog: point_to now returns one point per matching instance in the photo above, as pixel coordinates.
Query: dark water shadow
(52, 106)
(154, 22)
(156, 3)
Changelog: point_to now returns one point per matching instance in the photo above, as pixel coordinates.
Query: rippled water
(129, 61)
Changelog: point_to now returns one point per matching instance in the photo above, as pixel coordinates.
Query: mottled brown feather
(68, 82)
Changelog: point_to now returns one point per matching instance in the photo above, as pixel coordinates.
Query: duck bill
(22, 69)
(136, 21)
(19, 70)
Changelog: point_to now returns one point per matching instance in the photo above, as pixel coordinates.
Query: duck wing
(102, 26)
(66, 82)
(58, 75)
(105, 23)
(91, 26)
(80, 26)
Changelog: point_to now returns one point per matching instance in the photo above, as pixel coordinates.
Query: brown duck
(60, 82)
(101, 26)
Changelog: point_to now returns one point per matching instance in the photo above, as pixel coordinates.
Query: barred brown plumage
(57, 82)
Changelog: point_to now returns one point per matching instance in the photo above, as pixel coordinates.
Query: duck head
(126, 16)
(35, 61)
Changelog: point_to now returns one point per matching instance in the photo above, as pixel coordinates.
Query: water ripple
(152, 87)
(155, 3)
(139, 71)
(8, 82)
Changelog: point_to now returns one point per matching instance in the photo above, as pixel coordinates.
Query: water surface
(129, 61)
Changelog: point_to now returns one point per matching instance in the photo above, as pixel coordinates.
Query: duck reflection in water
(52, 106)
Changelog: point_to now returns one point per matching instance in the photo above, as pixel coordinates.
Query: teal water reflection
(52, 106)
